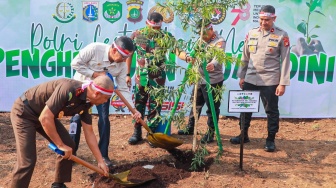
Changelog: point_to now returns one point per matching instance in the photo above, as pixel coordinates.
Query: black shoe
(208, 138)
(134, 139)
(108, 162)
(137, 135)
(58, 185)
(270, 146)
(236, 140)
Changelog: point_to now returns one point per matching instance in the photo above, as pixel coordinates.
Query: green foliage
(199, 156)
(303, 27)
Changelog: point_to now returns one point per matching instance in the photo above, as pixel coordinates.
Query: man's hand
(280, 90)
(210, 67)
(129, 81)
(67, 151)
(241, 83)
(136, 116)
(103, 166)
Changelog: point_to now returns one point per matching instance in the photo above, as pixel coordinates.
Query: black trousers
(270, 102)
(201, 99)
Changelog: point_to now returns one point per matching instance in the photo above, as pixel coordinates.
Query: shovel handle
(82, 162)
(142, 122)
(76, 159)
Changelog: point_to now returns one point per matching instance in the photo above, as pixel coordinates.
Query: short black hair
(199, 23)
(155, 16)
(268, 8)
(125, 43)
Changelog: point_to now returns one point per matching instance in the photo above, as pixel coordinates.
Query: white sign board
(243, 101)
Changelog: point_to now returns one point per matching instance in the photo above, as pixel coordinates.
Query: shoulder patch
(70, 96)
(79, 91)
(286, 41)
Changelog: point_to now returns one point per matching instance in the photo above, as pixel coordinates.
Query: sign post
(243, 102)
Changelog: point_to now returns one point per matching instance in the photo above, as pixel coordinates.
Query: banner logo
(166, 12)
(134, 11)
(64, 12)
(117, 104)
(112, 11)
(90, 10)
(218, 16)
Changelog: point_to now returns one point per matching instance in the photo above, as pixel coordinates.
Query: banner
(40, 38)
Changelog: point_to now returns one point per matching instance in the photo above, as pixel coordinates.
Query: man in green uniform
(150, 71)
(38, 110)
(266, 67)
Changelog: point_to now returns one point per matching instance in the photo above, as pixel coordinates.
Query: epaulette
(79, 91)
(278, 28)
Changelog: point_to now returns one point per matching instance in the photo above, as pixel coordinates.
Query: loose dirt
(305, 157)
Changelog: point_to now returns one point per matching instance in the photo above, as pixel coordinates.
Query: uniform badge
(70, 96)
(90, 10)
(274, 36)
(65, 12)
(90, 110)
(81, 112)
(79, 91)
(272, 30)
(273, 44)
(252, 49)
(112, 11)
(61, 114)
(286, 41)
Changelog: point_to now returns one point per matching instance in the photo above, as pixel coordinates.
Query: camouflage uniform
(150, 72)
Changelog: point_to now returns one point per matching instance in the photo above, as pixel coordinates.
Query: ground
(305, 157)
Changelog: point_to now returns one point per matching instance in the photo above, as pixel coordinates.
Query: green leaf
(308, 4)
(319, 12)
(317, 26)
(314, 36)
(308, 40)
(302, 28)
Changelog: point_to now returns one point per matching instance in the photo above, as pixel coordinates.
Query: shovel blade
(163, 141)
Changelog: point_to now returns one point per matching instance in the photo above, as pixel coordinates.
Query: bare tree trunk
(196, 119)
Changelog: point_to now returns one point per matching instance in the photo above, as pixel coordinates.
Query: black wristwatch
(128, 74)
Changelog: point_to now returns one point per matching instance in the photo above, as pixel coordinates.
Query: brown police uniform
(64, 97)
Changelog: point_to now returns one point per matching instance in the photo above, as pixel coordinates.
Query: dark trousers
(270, 102)
(25, 125)
(104, 128)
(201, 99)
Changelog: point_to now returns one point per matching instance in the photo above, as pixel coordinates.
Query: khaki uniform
(64, 97)
(266, 65)
(266, 58)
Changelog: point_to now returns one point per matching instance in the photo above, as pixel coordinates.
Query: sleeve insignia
(79, 91)
(70, 96)
(81, 112)
(286, 41)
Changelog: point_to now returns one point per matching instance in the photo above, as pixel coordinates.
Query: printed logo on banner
(117, 103)
(134, 10)
(166, 12)
(112, 11)
(65, 12)
(218, 16)
(90, 10)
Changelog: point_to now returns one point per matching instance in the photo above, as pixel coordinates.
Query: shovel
(157, 139)
(120, 178)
